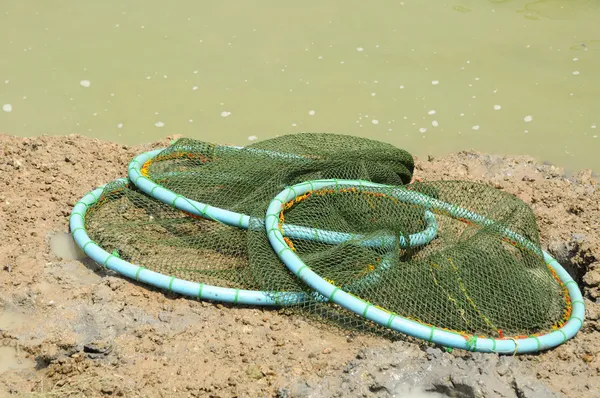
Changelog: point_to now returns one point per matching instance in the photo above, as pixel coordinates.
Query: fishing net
(365, 240)
(239, 179)
(472, 279)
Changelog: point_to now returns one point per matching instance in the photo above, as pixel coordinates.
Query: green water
(512, 77)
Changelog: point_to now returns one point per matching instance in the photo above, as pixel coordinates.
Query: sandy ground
(69, 328)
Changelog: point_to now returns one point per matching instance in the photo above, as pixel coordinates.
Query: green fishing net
(469, 279)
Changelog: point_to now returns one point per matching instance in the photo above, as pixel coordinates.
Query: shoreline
(96, 333)
(566, 171)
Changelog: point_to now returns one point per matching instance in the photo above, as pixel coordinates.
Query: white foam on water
(252, 138)
(373, 94)
(7, 108)
(195, 88)
(225, 113)
(435, 123)
(159, 124)
(311, 112)
(85, 83)
(476, 127)
(423, 129)
(497, 107)
(528, 118)
(375, 121)
(435, 82)
(575, 72)
(359, 49)
(432, 112)
(120, 125)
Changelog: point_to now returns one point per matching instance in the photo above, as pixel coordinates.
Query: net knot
(471, 343)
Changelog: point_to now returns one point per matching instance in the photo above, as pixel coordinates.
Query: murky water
(63, 246)
(10, 319)
(501, 76)
(12, 359)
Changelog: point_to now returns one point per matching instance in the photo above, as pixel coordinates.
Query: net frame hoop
(405, 325)
(142, 274)
(204, 210)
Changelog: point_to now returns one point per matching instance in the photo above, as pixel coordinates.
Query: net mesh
(469, 279)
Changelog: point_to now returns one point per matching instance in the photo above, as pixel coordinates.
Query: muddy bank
(69, 327)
